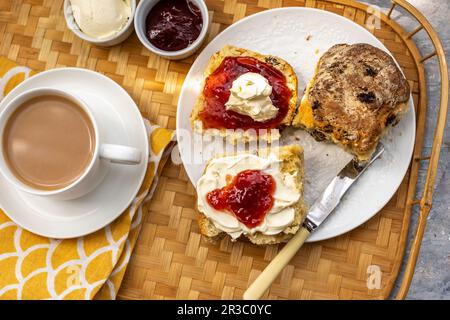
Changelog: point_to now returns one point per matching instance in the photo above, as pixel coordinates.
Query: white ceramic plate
(75, 218)
(300, 36)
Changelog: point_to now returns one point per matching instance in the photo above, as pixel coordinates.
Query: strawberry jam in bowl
(173, 25)
(220, 83)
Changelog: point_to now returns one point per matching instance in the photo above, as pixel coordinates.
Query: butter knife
(318, 213)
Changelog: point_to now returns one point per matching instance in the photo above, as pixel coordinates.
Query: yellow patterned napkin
(33, 267)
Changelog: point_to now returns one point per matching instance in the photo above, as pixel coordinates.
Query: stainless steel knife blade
(332, 195)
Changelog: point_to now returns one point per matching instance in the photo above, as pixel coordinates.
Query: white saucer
(75, 218)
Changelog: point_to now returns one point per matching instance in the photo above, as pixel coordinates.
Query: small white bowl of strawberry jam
(173, 29)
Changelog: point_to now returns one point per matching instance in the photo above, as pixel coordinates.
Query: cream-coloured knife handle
(270, 273)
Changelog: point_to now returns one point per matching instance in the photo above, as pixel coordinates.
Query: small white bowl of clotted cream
(101, 22)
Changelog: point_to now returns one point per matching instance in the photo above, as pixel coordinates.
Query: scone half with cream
(357, 92)
(245, 95)
(258, 196)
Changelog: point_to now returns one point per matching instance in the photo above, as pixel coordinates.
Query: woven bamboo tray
(170, 259)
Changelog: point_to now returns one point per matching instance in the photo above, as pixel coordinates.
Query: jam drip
(217, 91)
(249, 196)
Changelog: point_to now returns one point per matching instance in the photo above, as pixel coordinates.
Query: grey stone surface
(432, 275)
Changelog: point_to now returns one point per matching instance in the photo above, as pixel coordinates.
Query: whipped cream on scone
(250, 96)
(285, 196)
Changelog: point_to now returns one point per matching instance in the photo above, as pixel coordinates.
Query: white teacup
(94, 172)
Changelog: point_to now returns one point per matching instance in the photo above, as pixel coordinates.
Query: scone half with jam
(357, 92)
(245, 95)
(258, 196)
